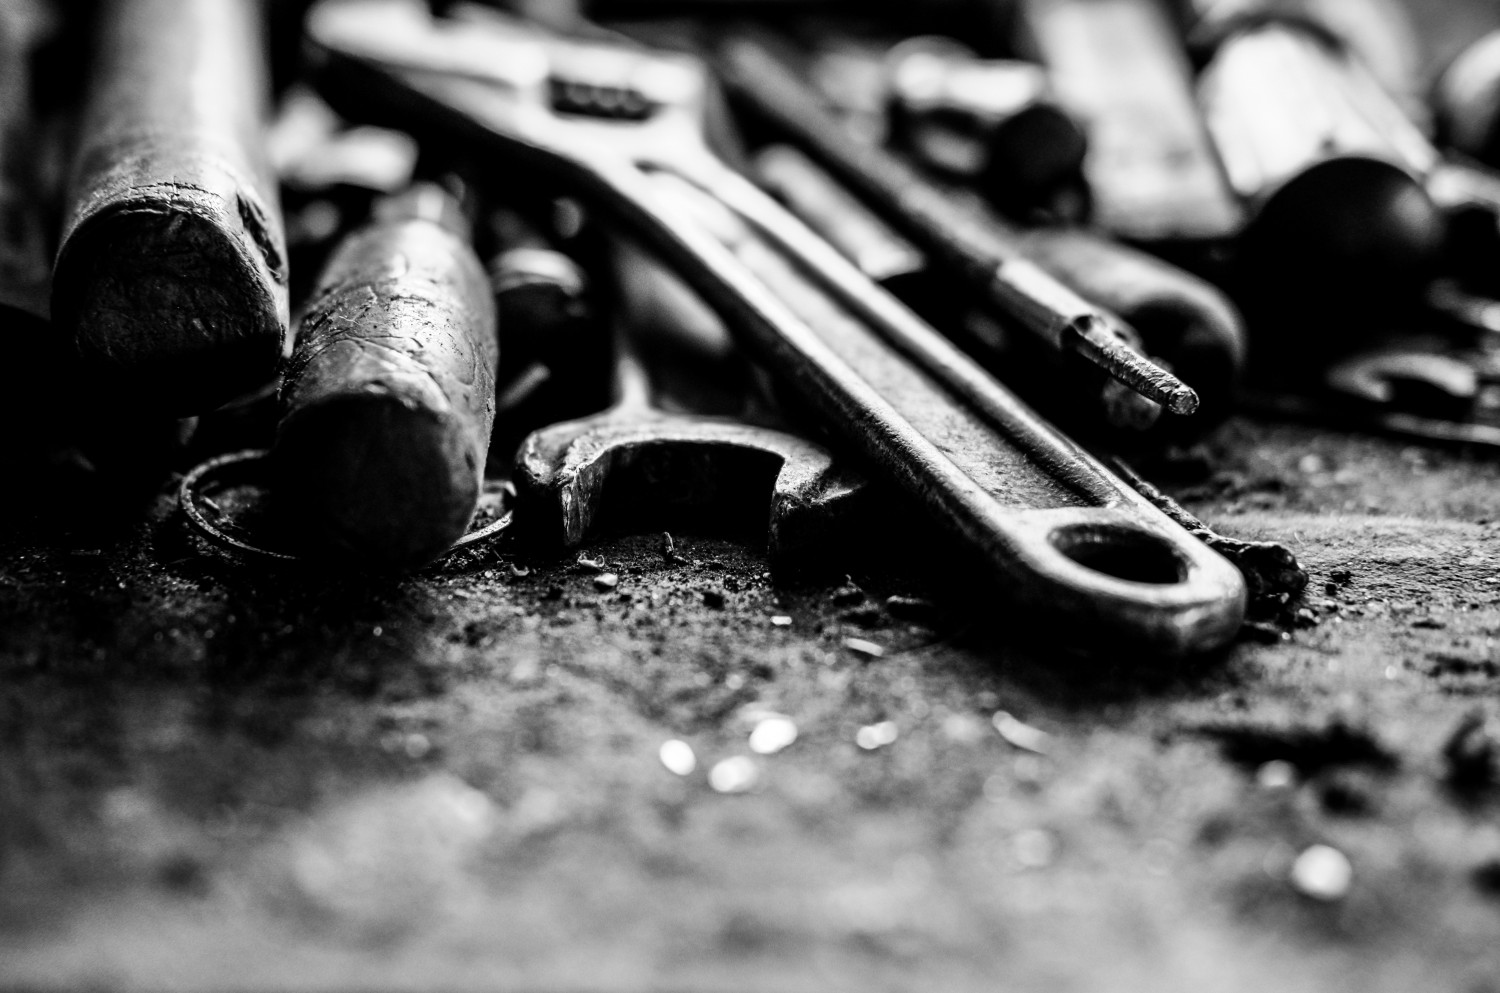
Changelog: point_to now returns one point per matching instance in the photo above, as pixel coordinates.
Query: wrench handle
(1094, 559)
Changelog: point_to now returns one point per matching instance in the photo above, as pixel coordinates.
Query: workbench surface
(212, 777)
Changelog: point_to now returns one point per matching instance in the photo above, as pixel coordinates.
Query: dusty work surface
(216, 778)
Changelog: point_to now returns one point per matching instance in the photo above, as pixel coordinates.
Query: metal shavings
(1323, 873)
(1276, 774)
(1021, 734)
(739, 774)
(677, 756)
(593, 565)
(873, 736)
(519, 572)
(772, 733)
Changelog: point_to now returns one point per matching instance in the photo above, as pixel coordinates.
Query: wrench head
(562, 95)
(1422, 382)
(653, 471)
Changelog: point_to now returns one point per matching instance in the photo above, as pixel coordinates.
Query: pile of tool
(834, 261)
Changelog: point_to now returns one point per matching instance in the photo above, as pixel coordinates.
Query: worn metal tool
(1270, 568)
(171, 280)
(1181, 321)
(833, 212)
(1120, 66)
(898, 266)
(1068, 542)
(1327, 164)
(655, 460)
(1190, 323)
(959, 233)
(1415, 388)
(388, 400)
(1462, 198)
(1466, 101)
(543, 301)
(1409, 380)
(1382, 34)
(993, 124)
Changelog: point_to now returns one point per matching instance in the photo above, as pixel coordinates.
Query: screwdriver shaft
(975, 244)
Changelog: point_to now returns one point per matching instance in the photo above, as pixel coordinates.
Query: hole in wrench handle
(1121, 579)
(979, 461)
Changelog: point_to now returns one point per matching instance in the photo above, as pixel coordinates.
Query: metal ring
(241, 468)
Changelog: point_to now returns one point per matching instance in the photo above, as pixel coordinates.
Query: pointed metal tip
(1184, 400)
(1103, 344)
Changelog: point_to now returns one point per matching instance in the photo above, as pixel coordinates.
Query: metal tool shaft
(978, 249)
(1192, 325)
(1066, 538)
(1119, 66)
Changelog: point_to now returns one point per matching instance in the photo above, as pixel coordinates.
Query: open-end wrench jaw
(651, 469)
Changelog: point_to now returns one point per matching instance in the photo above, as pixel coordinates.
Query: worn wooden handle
(171, 280)
(389, 398)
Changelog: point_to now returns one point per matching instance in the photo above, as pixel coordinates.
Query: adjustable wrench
(1068, 542)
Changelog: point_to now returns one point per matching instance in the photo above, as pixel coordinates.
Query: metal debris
(1323, 873)
(1277, 774)
(606, 581)
(677, 756)
(781, 621)
(593, 565)
(519, 572)
(873, 736)
(860, 646)
(772, 733)
(739, 774)
(1021, 734)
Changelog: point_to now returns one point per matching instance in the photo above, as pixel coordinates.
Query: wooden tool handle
(389, 398)
(171, 281)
